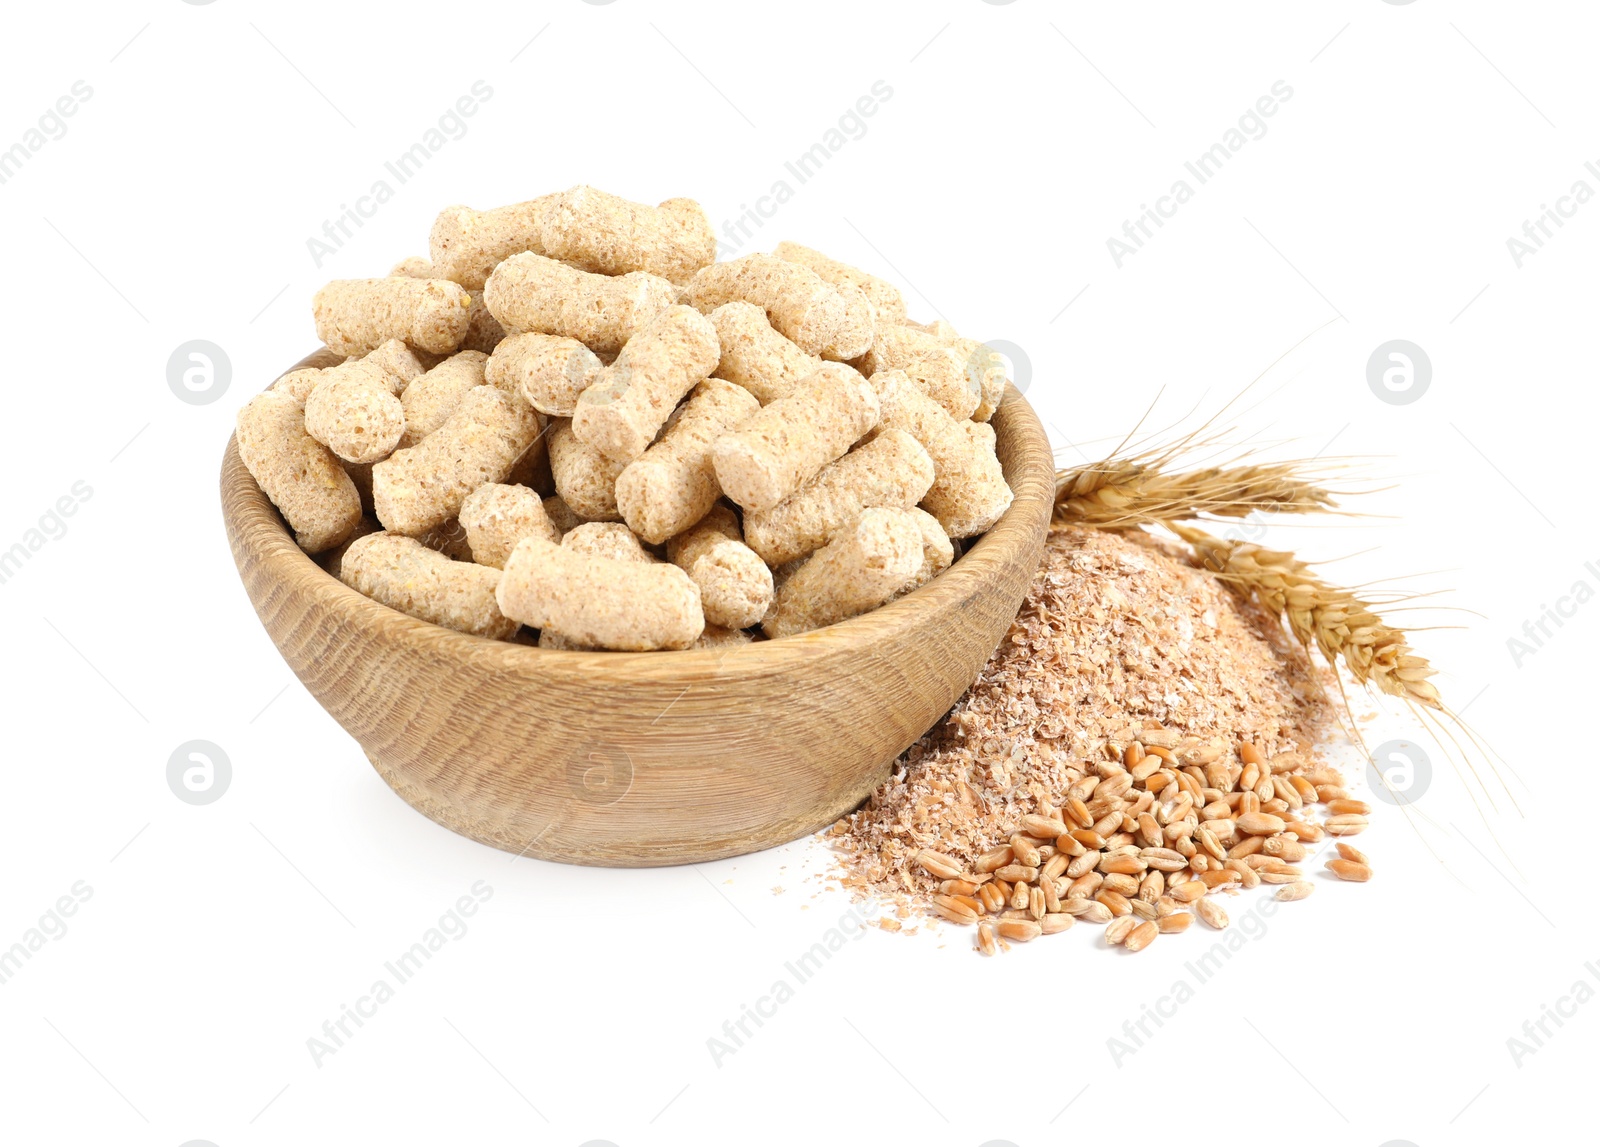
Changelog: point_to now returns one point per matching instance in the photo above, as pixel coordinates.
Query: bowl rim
(259, 535)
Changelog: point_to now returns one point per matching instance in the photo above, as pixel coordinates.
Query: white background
(1018, 138)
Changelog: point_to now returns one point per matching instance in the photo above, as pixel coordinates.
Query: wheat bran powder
(1120, 638)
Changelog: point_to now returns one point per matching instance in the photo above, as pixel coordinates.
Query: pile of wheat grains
(1141, 738)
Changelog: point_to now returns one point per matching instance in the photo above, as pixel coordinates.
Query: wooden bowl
(639, 759)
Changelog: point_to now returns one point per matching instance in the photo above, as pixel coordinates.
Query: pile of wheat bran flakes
(1121, 637)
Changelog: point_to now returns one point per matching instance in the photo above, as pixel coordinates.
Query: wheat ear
(1336, 621)
(1343, 627)
(1122, 493)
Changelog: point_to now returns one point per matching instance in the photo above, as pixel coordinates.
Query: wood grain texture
(640, 759)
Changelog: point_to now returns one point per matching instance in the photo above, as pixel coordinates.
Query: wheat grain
(1346, 824)
(1346, 805)
(1142, 937)
(1083, 864)
(1086, 885)
(1350, 870)
(1119, 930)
(1351, 852)
(1045, 827)
(1120, 883)
(1248, 877)
(1025, 851)
(1140, 890)
(1115, 902)
(938, 865)
(954, 910)
(1212, 913)
(1052, 898)
(1285, 847)
(1019, 930)
(1187, 891)
(986, 944)
(1259, 824)
(993, 859)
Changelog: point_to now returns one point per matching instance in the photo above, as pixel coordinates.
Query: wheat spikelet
(1087, 479)
(1122, 493)
(1335, 620)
